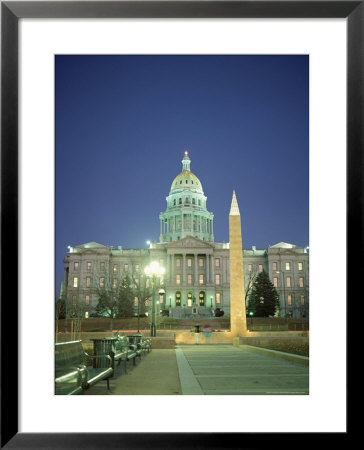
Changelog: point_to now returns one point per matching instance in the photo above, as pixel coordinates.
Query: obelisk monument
(237, 290)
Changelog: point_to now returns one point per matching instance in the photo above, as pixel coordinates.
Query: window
(275, 282)
(217, 279)
(199, 203)
(87, 300)
(200, 262)
(74, 299)
(115, 268)
(102, 266)
(218, 298)
(114, 283)
(88, 282)
(180, 201)
(88, 265)
(102, 282)
(274, 266)
(289, 299)
(260, 267)
(147, 283)
(161, 299)
(193, 200)
(288, 266)
(126, 267)
(178, 299)
(174, 202)
(201, 281)
(250, 267)
(300, 266)
(136, 282)
(137, 267)
(217, 262)
(189, 262)
(189, 278)
(75, 281)
(300, 281)
(178, 279)
(202, 298)
(302, 300)
(136, 301)
(178, 262)
(288, 281)
(75, 265)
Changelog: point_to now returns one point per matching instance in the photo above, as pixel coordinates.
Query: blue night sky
(123, 123)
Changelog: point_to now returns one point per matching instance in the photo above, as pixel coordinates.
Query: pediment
(190, 241)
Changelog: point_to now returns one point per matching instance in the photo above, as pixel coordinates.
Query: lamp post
(154, 270)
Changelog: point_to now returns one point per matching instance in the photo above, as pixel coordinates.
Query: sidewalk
(155, 374)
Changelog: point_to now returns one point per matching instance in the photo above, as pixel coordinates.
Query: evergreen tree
(263, 298)
(126, 298)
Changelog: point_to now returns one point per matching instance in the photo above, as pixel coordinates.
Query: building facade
(197, 276)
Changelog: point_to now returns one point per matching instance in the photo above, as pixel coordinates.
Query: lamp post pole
(154, 270)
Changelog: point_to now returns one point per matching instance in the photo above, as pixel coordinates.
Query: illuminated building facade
(197, 279)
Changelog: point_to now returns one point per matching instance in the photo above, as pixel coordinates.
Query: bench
(72, 374)
(135, 341)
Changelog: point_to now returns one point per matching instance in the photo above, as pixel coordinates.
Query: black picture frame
(11, 12)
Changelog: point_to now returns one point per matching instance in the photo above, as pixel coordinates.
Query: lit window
(87, 300)
(114, 283)
(200, 262)
(217, 262)
(189, 279)
(75, 281)
(300, 282)
(88, 281)
(289, 299)
(250, 267)
(260, 267)
(275, 282)
(136, 301)
(75, 265)
(178, 262)
(126, 267)
(288, 266)
(302, 300)
(217, 279)
(86, 314)
(189, 262)
(300, 266)
(102, 282)
(88, 265)
(201, 279)
(161, 299)
(288, 281)
(178, 279)
(274, 266)
(74, 299)
(115, 268)
(218, 297)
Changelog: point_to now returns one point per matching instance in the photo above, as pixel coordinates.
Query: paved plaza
(220, 369)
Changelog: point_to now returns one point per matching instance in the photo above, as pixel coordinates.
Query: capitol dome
(186, 213)
(186, 179)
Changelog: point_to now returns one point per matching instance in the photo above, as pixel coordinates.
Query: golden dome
(186, 179)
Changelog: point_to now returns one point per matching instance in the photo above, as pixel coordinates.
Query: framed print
(197, 421)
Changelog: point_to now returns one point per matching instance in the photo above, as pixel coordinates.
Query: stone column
(207, 269)
(195, 267)
(183, 268)
(237, 290)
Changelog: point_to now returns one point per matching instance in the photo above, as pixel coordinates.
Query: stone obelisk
(237, 290)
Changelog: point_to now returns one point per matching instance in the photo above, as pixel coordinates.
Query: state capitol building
(197, 272)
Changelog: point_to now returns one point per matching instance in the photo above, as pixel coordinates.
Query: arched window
(189, 299)
(202, 298)
(187, 200)
(178, 298)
